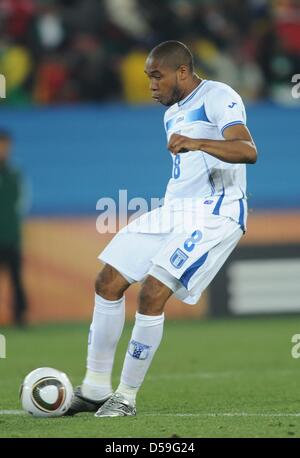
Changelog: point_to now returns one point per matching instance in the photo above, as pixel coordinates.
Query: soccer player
(179, 247)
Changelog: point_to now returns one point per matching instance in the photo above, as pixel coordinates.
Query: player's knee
(152, 297)
(110, 284)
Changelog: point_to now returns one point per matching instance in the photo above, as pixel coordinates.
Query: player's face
(164, 84)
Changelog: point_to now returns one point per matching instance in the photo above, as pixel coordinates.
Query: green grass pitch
(212, 378)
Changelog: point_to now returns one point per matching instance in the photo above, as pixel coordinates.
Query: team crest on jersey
(178, 258)
(138, 350)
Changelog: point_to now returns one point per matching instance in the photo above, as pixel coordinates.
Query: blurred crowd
(58, 51)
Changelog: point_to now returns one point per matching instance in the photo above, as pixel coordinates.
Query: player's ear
(183, 72)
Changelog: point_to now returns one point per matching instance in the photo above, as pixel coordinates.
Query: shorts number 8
(189, 244)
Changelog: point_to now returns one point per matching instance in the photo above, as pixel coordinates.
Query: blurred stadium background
(78, 108)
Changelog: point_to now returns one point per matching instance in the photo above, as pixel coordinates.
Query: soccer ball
(46, 392)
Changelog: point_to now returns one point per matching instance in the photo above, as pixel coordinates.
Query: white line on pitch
(205, 415)
(226, 414)
(12, 412)
(204, 375)
(211, 375)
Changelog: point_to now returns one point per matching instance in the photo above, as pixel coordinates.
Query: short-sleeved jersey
(206, 113)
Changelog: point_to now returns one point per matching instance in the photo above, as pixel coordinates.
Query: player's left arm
(237, 147)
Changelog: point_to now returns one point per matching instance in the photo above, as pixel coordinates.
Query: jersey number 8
(176, 170)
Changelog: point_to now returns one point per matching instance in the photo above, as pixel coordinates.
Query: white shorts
(184, 261)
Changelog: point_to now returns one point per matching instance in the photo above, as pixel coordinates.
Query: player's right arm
(225, 110)
(237, 147)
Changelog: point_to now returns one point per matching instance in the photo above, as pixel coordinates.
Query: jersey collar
(191, 95)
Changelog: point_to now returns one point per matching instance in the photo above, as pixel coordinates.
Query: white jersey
(205, 113)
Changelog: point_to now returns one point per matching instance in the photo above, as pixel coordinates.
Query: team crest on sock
(138, 350)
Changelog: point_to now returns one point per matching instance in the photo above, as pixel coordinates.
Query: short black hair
(5, 135)
(173, 54)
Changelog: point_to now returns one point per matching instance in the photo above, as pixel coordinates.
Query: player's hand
(181, 144)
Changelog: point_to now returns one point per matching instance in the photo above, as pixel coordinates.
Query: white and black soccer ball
(46, 392)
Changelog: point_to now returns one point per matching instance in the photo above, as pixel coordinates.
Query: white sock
(128, 392)
(96, 385)
(145, 339)
(105, 332)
